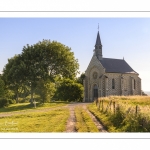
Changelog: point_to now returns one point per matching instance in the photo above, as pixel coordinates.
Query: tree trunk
(17, 101)
(31, 100)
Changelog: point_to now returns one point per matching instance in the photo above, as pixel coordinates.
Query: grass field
(51, 121)
(27, 106)
(123, 114)
(117, 114)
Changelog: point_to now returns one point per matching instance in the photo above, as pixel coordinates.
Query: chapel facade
(107, 76)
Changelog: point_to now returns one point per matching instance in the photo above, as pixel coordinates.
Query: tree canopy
(43, 61)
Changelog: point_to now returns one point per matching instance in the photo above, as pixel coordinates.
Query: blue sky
(120, 37)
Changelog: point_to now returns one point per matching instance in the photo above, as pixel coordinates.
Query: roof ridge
(113, 58)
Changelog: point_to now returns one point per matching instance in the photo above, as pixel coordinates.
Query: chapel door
(95, 92)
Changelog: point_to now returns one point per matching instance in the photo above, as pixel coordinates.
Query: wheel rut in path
(70, 127)
(71, 121)
(99, 126)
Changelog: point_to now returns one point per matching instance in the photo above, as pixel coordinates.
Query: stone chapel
(108, 76)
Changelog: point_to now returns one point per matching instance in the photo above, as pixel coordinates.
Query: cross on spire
(98, 26)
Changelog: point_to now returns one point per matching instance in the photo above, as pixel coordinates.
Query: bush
(3, 102)
(11, 101)
(70, 90)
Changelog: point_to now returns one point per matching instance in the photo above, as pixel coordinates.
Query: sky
(120, 37)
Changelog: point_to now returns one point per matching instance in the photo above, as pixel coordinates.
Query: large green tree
(46, 60)
(42, 61)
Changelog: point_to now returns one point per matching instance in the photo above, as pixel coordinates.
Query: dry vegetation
(123, 114)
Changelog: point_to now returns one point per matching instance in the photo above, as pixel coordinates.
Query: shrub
(3, 102)
(70, 90)
(11, 101)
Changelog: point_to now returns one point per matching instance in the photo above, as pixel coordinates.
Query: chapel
(109, 76)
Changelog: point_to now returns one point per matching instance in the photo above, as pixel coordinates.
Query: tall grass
(123, 114)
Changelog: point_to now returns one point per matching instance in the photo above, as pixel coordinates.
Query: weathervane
(98, 26)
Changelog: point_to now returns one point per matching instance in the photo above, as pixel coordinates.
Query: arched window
(134, 84)
(113, 83)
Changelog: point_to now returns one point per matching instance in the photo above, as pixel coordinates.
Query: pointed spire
(98, 46)
(98, 40)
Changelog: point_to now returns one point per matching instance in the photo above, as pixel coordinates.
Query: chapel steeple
(98, 46)
(98, 40)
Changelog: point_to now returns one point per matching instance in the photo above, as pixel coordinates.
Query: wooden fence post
(110, 104)
(102, 105)
(118, 108)
(114, 107)
(136, 110)
(99, 104)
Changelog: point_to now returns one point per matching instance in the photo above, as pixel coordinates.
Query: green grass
(51, 121)
(84, 122)
(104, 118)
(126, 118)
(27, 106)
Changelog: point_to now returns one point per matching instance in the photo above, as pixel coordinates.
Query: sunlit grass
(84, 122)
(104, 118)
(28, 106)
(51, 121)
(132, 113)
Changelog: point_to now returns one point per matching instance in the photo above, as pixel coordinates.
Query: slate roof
(116, 66)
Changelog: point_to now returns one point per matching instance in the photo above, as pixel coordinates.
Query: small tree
(70, 90)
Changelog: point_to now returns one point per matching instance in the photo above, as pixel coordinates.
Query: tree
(70, 90)
(13, 74)
(46, 60)
(2, 87)
(46, 90)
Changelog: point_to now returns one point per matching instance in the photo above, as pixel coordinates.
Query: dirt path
(72, 120)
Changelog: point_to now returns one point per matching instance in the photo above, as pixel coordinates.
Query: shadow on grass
(27, 106)
(16, 107)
